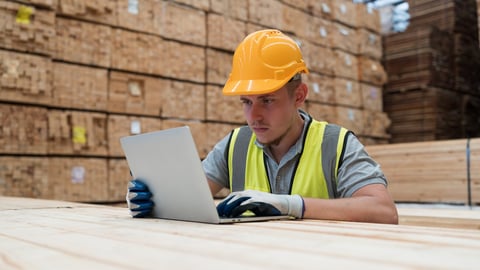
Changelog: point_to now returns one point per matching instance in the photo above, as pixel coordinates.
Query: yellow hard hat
(264, 62)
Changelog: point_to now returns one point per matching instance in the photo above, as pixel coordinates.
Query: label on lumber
(78, 175)
(348, 61)
(23, 15)
(351, 115)
(316, 88)
(325, 8)
(134, 88)
(373, 92)
(133, 6)
(323, 32)
(79, 135)
(135, 127)
(349, 87)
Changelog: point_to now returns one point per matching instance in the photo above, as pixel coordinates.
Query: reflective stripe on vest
(323, 145)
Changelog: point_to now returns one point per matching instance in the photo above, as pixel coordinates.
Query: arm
(362, 189)
(215, 166)
(214, 187)
(371, 203)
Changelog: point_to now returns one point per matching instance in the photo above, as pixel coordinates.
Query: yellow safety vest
(315, 175)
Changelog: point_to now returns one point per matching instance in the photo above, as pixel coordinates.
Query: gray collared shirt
(358, 169)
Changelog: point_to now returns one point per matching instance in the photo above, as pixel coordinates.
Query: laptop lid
(168, 162)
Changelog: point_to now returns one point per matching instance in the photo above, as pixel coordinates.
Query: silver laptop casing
(168, 162)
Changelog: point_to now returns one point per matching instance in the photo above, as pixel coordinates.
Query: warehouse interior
(76, 76)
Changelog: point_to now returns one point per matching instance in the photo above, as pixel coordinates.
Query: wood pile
(76, 75)
(432, 172)
(433, 67)
(77, 132)
(425, 114)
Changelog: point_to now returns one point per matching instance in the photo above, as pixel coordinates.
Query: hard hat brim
(252, 87)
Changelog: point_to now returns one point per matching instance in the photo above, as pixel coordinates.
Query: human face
(270, 116)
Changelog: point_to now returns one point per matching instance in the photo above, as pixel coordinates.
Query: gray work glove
(261, 203)
(138, 199)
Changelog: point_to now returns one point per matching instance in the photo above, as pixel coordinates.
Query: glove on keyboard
(261, 204)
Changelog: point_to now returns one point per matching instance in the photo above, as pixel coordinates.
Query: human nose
(254, 112)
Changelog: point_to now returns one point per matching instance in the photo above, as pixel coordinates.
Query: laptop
(168, 162)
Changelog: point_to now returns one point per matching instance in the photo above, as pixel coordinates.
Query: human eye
(267, 101)
(245, 101)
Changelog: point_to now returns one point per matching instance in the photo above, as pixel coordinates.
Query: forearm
(214, 187)
(359, 208)
(349, 209)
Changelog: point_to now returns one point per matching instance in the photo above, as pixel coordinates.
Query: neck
(281, 146)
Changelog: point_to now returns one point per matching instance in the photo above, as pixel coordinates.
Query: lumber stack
(433, 67)
(443, 171)
(418, 57)
(76, 75)
(347, 74)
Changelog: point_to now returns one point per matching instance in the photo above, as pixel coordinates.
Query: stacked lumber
(347, 74)
(418, 58)
(434, 64)
(443, 171)
(77, 75)
(26, 28)
(23, 129)
(425, 114)
(79, 87)
(25, 78)
(77, 132)
(23, 176)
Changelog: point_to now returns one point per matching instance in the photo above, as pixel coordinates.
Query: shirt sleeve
(215, 164)
(358, 169)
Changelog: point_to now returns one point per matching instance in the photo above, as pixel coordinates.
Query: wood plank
(435, 111)
(53, 234)
(23, 129)
(135, 94)
(89, 45)
(449, 217)
(34, 33)
(77, 133)
(25, 78)
(434, 171)
(450, 15)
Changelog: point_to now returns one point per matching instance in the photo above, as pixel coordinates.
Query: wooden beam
(432, 216)
(434, 171)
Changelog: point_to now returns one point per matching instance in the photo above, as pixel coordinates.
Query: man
(284, 162)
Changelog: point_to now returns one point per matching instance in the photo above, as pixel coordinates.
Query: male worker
(284, 162)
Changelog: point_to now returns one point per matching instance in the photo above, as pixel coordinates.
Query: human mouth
(259, 129)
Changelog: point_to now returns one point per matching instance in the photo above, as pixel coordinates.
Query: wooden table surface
(40, 234)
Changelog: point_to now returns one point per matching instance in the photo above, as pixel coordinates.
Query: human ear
(301, 94)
